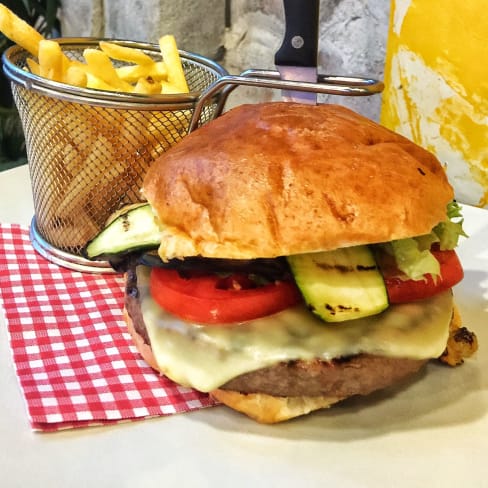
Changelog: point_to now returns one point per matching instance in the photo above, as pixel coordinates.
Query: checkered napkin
(75, 362)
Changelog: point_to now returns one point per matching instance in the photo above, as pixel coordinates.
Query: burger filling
(206, 357)
(393, 301)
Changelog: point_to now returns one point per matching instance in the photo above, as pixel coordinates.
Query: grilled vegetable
(340, 285)
(136, 229)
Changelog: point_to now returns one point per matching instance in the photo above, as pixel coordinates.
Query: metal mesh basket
(88, 150)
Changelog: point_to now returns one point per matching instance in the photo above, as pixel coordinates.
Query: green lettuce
(412, 260)
(449, 231)
(413, 256)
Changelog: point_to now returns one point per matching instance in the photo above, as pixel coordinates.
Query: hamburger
(288, 257)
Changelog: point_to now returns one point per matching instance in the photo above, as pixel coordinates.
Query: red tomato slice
(209, 299)
(402, 290)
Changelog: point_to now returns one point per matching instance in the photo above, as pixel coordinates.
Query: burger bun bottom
(268, 409)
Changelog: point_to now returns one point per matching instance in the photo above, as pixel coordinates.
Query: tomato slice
(401, 290)
(210, 299)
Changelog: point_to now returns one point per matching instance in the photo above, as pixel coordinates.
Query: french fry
(50, 60)
(171, 56)
(19, 31)
(98, 84)
(132, 73)
(102, 169)
(83, 184)
(75, 76)
(168, 88)
(124, 53)
(34, 67)
(147, 86)
(167, 128)
(100, 66)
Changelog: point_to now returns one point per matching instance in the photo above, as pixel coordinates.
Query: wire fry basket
(88, 150)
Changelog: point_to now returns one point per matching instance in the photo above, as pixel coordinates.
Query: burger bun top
(274, 179)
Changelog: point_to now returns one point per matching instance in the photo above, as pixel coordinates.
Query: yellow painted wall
(436, 86)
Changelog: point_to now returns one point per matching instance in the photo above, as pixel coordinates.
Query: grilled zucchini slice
(135, 229)
(342, 284)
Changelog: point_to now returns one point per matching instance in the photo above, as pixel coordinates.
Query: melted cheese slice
(207, 357)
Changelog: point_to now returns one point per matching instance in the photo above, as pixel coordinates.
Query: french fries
(134, 72)
(176, 76)
(34, 67)
(75, 76)
(123, 53)
(50, 60)
(19, 31)
(148, 86)
(100, 67)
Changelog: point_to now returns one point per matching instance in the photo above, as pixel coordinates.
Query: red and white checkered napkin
(75, 361)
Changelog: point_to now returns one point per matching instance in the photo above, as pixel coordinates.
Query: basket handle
(330, 84)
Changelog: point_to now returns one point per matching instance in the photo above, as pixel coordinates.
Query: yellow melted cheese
(207, 357)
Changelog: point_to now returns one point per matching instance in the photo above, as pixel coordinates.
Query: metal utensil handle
(373, 86)
(329, 84)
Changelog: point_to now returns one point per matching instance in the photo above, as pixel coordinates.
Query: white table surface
(428, 433)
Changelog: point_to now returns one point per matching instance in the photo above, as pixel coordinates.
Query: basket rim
(55, 89)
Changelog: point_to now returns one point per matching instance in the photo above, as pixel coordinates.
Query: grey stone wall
(352, 34)
(198, 25)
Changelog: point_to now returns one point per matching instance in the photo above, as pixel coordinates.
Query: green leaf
(412, 260)
(451, 230)
(413, 256)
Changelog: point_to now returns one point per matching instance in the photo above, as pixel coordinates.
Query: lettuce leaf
(449, 231)
(413, 256)
(414, 261)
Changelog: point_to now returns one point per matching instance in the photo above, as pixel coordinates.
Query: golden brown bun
(279, 178)
(268, 409)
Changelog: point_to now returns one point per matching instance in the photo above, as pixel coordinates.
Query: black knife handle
(299, 46)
